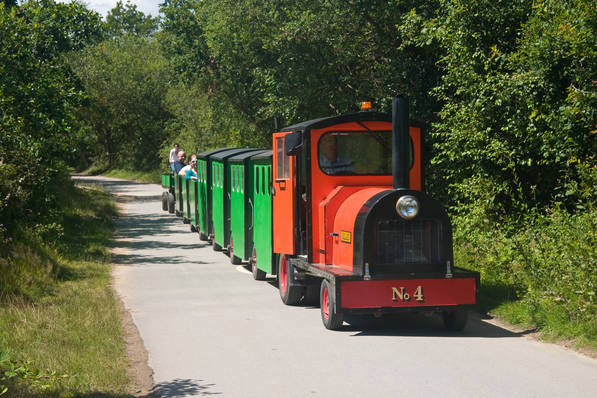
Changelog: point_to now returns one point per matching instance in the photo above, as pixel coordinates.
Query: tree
(126, 19)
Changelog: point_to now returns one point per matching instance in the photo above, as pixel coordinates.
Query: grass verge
(152, 177)
(540, 274)
(58, 313)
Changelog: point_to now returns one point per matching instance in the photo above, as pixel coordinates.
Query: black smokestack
(400, 142)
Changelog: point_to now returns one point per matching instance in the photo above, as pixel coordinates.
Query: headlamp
(407, 207)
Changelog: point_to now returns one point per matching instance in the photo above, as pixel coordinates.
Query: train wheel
(164, 200)
(289, 293)
(258, 274)
(216, 247)
(455, 320)
(233, 259)
(185, 220)
(202, 236)
(331, 318)
(170, 203)
(193, 228)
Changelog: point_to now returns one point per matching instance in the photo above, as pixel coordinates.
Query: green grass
(153, 177)
(63, 316)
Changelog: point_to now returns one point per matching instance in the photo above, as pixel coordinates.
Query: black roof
(246, 155)
(332, 120)
(224, 155)
(267, 155)
(206, 154)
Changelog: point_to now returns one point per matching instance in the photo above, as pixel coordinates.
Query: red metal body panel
(284, 185)
(342, 245)
(327, 213)
(436, 292)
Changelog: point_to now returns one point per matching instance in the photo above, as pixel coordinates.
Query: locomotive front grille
(409, 242)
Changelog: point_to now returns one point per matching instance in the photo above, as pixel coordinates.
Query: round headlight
(407, 207)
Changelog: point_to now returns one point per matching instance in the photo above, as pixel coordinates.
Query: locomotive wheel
(233, 259)
(216, 247)
(193, 228)
(312, 295)
(289, 293)
(202, 236)
(186, 220)
(332, 320)
(164, 200)
(170, 203)
(258, 274)
(455, 320)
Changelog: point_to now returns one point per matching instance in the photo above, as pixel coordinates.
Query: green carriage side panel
(178, 194)
(193, 200)
(262, 211)
(241, 203)
(204, 190)
(168, 182)
(202, 196)
(237, 210)
(185, 198)
(221, 195)
(217, 192)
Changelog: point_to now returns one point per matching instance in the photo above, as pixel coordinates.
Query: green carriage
(204, 222)
(221, 196)
(241, 181)
(262, 257)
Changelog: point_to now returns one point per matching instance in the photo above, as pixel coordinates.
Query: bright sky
(103, 6)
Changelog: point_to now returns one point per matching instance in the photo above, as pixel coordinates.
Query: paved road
(210, 329)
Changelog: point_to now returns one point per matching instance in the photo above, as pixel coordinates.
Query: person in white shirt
(173, 157)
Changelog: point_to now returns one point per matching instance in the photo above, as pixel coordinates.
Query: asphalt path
(210, 329)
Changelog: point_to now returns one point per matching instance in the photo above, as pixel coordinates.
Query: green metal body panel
(221, 195)
(168, 182)
(185, 199)
(261, 166)
(192, 186)
(218, 191)
(178, 194)
(204, 191)
(241, 204)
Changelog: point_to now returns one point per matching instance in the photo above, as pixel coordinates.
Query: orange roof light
(366, 106)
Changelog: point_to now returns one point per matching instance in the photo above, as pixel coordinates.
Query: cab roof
(225, 155)
(246, 155)
(333, 120)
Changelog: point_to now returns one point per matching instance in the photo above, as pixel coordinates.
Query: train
(336, 212)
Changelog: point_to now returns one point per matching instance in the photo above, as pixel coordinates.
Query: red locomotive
(350, 221)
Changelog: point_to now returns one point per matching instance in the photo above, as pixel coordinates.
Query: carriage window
(263, 183)
(256, 180)
(357, 153)
(242, 179)
(268, 185)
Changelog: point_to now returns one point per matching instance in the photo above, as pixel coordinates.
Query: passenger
(179, 164)
(183, 172)
(330, 161)
(173, 157)
(191, 173)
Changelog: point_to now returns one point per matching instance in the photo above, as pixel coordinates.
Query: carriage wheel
(289, 293)
(202, 236)
(165, 201)
(233, 259)
(216, 247)
(258, 274)
(331, 318)
(170, 203)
